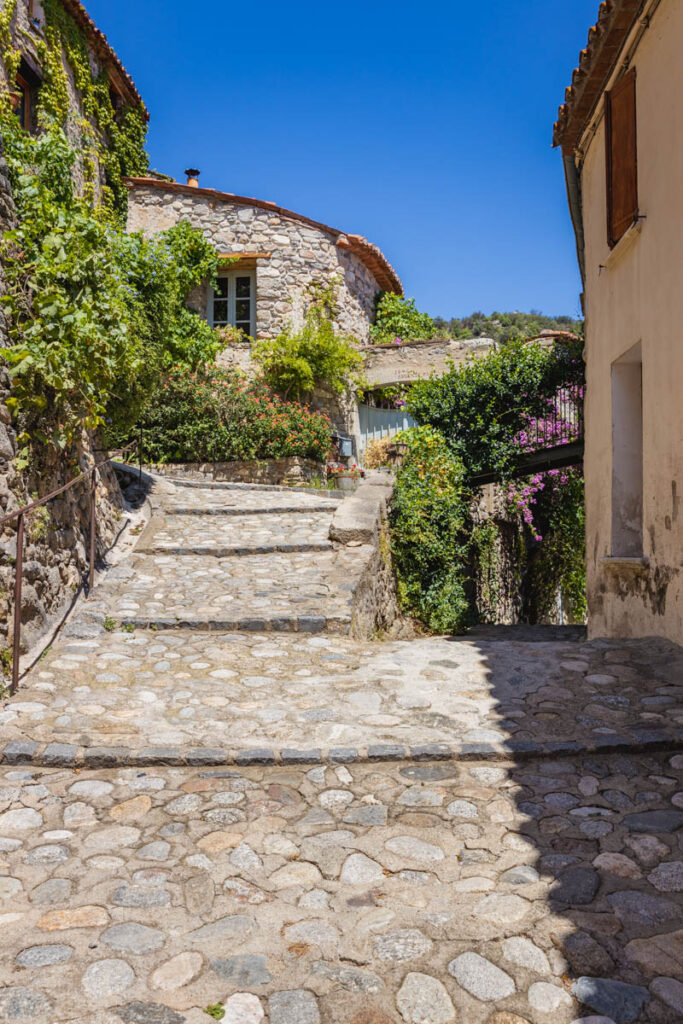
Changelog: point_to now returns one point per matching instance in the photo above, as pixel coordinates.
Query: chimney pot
(192, 177)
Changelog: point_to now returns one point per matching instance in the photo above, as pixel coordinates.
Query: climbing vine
(531, 551)
(94, 314)
(113, 140)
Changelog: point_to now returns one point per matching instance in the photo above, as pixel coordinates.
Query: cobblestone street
(410, 892)
(293, 826)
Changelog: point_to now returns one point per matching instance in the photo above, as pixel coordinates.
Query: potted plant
(346, 478)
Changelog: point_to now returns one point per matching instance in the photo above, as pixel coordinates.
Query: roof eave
(596, 62)
(370, 255)
(107, 55)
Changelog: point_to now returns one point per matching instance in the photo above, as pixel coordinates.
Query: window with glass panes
(233, 301)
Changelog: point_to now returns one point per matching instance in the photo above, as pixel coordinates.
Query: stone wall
(501, 585)
(300, 255)
(57, 536)
(287, 471)
(417, 360)
(28, 36)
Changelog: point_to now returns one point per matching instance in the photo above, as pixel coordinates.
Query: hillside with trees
(504, 326)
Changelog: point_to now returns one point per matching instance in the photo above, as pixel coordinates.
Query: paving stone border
(67, 755)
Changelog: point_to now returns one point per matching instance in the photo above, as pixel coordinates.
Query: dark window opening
(25, 96)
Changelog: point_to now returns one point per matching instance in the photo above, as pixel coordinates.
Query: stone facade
(57, 536)
(27, 30)
(416, 360)
(289, 253)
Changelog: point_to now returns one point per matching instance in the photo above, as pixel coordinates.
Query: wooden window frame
(25, 89)
(231, 276)
(616, 231)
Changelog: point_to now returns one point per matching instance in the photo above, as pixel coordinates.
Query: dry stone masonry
(56, 551)
(293, 252)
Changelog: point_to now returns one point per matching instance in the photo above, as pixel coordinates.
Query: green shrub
(296, 362)
(427, 519)
(216, 415)
(557, 562)
(483, 406)
(397, 318)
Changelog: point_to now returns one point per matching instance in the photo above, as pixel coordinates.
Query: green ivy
(484, 547)
(296, 362)
(427, 520)
(115, 140)
(558, 563)
(399, 319)
(94, 314)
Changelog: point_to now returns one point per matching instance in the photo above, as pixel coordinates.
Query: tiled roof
(596, 62)
(105, 53)
(369, 254)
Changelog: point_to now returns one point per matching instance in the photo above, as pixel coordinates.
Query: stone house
(276, 258)
(621, 133)
(280, 255)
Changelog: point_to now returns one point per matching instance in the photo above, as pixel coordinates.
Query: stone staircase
(233, 558)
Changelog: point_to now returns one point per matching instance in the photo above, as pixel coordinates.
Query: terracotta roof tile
(596, 62)
(369, 254)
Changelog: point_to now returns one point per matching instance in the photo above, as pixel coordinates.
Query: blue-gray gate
(376, 423)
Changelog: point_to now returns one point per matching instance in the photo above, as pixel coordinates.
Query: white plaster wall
(638, 298)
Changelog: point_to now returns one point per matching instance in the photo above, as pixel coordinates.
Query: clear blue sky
(424, 127)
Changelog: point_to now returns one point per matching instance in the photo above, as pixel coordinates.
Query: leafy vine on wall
(111, 143)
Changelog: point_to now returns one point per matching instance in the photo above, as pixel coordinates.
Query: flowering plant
(218, 415)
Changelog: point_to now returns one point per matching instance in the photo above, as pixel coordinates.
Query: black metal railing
(551, 440)
(20, 515)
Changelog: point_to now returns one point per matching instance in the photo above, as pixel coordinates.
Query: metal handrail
(19, 515)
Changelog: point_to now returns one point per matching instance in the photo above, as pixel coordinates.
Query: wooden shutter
(622, 156)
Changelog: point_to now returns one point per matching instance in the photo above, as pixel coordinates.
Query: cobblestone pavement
(244, 533)
(440, 831)
(227, 500)
(235, 558)
(403, 892)
(235, 692)
(208, 592)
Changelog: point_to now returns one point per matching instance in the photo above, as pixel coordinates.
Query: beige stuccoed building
(621, 133)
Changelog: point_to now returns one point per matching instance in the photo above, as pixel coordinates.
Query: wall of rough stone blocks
(300, 255)
(28, 36)
(57, 539)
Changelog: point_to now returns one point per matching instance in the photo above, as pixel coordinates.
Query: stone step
(227, 510)
(336, 624)
(247, 534)
(233, 550)
(285, 592)
(210, 501)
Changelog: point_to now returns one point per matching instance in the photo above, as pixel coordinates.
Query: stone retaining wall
(362, 520)
(287, 471)
(418, 360)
